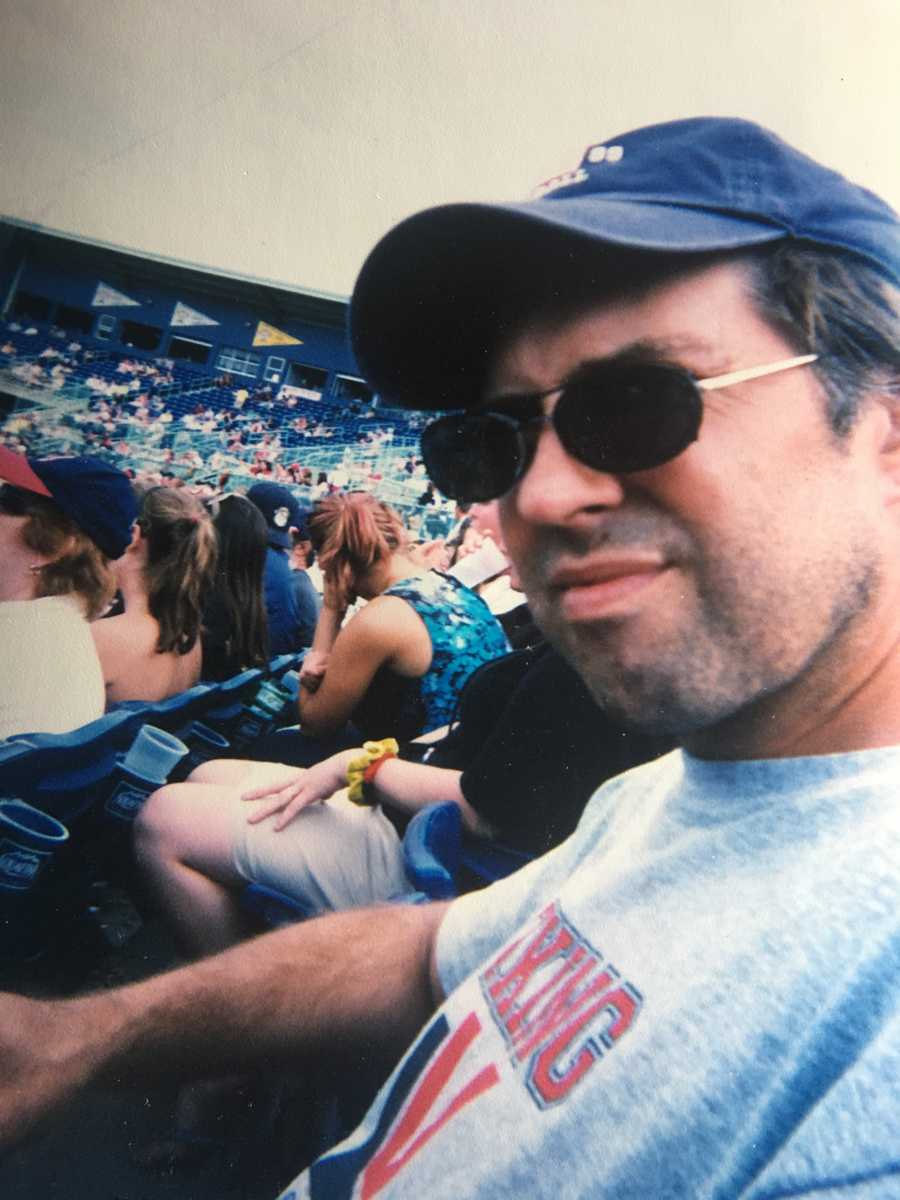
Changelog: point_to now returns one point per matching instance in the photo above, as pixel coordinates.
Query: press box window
(312, 379)
(274, 368)
(142, 337)
(238, 362)
(74, 320)
(348, 389)
(106, 326)
(189, 350)
(31, 307)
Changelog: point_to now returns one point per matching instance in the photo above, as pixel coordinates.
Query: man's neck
(835, 707)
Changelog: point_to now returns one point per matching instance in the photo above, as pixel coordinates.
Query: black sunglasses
(14, 501)
(615, 417)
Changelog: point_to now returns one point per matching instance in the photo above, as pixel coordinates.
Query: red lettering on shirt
(559, 1005)
(549, 1078)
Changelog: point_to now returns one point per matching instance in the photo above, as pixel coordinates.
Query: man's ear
(887, 415)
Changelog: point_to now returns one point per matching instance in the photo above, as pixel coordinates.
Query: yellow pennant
(268, 335)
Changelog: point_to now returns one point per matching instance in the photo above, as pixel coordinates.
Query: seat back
(443, 861)
(61, 771)
(431, 847)
(176, 712)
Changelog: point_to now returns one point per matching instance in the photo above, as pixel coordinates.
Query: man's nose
(556, 486)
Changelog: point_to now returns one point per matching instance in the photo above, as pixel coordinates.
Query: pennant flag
(183, 315)
(107, 297)
(268, 335)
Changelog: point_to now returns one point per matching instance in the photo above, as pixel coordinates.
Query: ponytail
(181, 562)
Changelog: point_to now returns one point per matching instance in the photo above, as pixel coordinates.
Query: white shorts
(332, 856)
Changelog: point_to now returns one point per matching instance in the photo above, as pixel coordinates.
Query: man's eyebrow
(666, 351)
(662, 350)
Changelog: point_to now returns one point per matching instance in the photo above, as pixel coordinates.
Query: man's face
(748, 563)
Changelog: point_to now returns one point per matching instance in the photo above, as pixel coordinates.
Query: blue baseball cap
(429, 301)
(281, 509)
(99, 498)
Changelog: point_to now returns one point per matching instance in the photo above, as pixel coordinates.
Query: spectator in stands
(398, 665)
(303, 561)
(62, 521)
(292, 604)
(235, 628)
(321, 487)
(153, 650)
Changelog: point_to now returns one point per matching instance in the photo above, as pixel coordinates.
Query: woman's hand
(312, 669)
(310, 786)
(328, 626)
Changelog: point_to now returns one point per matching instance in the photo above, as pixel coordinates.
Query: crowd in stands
(164, 420)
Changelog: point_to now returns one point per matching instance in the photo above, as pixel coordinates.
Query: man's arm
(359, 982)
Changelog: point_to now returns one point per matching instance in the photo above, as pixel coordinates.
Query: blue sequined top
(464, 634)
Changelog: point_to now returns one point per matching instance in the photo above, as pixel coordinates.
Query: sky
(280, 138)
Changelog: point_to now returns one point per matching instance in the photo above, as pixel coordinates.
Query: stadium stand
(167, 419)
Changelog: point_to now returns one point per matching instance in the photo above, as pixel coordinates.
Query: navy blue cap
(431, 291)
(99, 498)
(280, 508)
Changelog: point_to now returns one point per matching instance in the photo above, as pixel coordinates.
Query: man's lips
(601, 587)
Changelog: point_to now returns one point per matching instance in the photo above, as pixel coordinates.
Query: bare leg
(183, 844)
(182, 841)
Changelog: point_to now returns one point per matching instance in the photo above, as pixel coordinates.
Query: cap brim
(433, 296)
(15, 469)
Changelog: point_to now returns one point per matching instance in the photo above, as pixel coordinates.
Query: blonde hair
(351, 532)
(181, 563)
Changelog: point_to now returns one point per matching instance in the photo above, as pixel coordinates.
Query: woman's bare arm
(385, 630)
(356, 982)
(407, 786)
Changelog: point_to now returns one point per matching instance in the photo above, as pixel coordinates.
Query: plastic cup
(28, 840)
(205, 744)
(154, 754)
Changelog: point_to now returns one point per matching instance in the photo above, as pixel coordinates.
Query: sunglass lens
(472, 457)
(629, 417)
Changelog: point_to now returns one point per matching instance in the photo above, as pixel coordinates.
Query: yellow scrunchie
(373, 752)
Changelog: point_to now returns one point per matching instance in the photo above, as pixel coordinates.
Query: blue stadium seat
(431, 847)
(177, 712)
(442, 861)
(233, 694)
(62, 771)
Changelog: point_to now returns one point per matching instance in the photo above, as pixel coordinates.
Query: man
(677, 368)
(292, 604)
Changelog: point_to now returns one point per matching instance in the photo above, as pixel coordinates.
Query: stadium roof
(278, 301)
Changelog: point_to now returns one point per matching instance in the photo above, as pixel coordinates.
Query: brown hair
(78, 566)
(350, 532)
(181, 562)
(242, 537)
(831, 304)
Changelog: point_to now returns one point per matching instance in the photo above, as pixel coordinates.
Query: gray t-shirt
(697, 995)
